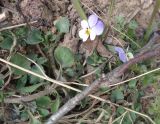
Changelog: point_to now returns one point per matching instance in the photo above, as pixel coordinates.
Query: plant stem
(150, 25)
(111, 8)
(79, 9)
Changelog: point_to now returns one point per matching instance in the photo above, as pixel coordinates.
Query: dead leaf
(88, 47)
(101, 49)
(70, 42)
(3, 16)
(89, 79)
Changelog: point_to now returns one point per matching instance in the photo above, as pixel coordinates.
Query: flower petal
(123, 57)
(83, 35)
(84, 24)
(98, 28)
(92, 35)
(119, 50)
(121, 53)
(92, 20)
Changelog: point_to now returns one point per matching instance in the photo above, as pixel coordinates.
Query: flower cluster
(94, 27)
(91, 28)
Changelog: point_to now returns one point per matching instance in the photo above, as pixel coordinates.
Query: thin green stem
(111, 8)
(30, 114)
(79, 9)
(150, 25)
(137, 45)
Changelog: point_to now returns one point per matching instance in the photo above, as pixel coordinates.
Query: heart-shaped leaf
(64, 56)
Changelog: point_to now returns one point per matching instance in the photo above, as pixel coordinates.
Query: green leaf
(38, 60)
(62, 24)
(127, 119)
(133, 25)
(50, 37)
(133, 116)
(34, 37)
(132, 84)
(43, 112)
(34, 79)
(24, 116)
(21, 82)
(120, 21)
(21, 32)
(148, 79)
(94, 59)
(55, 105)
(120, 110)
(6, 43)
(1, 82)
(64, 56)
(43, 101)
(117, 95)
(20, 61)
(41, 60)
(157, 120)
(30, 89)
(70, 72)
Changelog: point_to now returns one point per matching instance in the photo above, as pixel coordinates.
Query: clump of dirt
(36, 9)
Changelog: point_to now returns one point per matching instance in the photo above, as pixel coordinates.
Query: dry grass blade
(69, 87)
(16, 26)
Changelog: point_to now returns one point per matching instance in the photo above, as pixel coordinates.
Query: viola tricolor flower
(91, 28)
(122, 55)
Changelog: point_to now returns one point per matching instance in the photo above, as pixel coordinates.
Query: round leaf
(34, 37)
(43, 101)
(117, 95)
(64, 56)
(6, 43)
(62, 25)
(43, 112)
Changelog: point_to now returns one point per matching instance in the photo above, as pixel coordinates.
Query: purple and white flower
(91, 28)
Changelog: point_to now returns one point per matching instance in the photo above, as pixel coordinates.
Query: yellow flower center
(88, 31)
